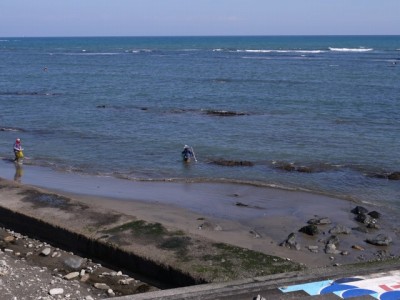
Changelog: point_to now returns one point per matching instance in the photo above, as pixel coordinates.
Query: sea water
(126, 106)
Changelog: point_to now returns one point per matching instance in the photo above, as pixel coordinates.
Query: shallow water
(124, 107)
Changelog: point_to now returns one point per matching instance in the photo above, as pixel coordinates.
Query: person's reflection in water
(19, 171)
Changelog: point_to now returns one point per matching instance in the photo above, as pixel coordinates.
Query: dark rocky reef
(11, 129)
(225, 113)
(28, 94)
(390, 176)
(294, 168)
(232, 163)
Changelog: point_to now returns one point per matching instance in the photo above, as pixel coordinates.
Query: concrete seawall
(147, 270)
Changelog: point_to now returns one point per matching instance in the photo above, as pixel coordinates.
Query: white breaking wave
(270, 51)
(350, 49)
(95, 53)
(281, 51)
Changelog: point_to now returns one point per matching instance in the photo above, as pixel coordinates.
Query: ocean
(309, 113)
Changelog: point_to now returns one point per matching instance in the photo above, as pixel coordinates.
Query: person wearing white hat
(18, 150)
(187, 153)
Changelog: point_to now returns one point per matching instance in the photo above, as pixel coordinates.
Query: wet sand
(251, 217)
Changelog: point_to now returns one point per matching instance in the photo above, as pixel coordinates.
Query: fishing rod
(194, 155)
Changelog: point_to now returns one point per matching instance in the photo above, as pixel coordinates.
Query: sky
(48, 18)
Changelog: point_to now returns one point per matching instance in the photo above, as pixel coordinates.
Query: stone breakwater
(32, 269)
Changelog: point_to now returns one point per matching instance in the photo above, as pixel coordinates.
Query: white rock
(85, 278)
(46, 251)
(101, 286)
(56, 291)
(71, 275)
(126, 281)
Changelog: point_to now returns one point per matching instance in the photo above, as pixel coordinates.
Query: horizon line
(174, 36)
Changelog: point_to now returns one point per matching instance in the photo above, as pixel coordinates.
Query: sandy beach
(250, 217)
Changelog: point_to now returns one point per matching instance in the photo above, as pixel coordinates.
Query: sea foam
(350, 49)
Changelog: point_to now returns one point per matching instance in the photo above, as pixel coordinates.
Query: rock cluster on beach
(326, 235)
(31, 267)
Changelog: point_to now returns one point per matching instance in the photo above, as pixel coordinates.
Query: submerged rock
(389, 176)
(11, 129)
(304, 169)
(295, 167)
(232, 163)
(224, 113)
(394, 176)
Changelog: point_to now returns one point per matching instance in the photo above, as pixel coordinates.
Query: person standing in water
(18, 151)
(187, 153)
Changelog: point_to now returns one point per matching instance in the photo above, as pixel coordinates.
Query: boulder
(359, 210)
(374, 214)
(365, 219)
(340, 229)
(309, 229)
(46, 251)
(291, 242)
(333, 240)
(73, 262)
(380, 240)
(331, 245)
(331, 249)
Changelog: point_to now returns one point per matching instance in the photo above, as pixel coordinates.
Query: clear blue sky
(201, 17)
